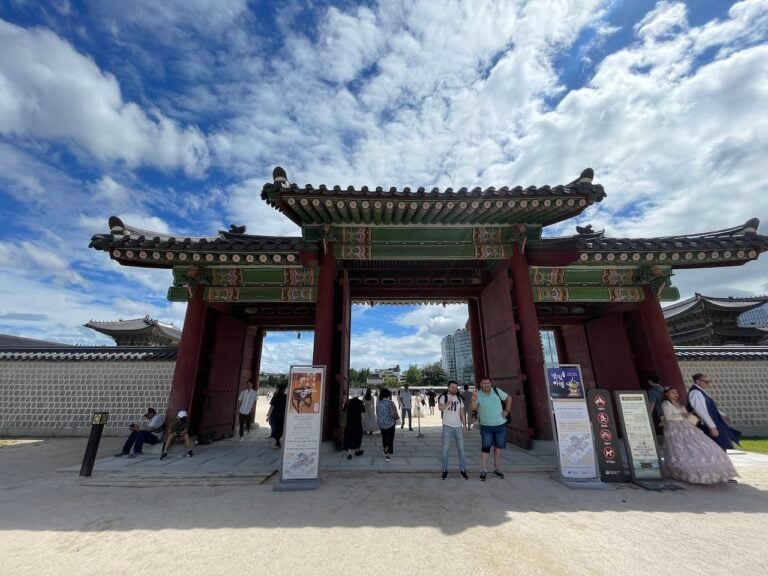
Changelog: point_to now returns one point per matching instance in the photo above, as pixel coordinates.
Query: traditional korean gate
(501, 352)
(220, 394)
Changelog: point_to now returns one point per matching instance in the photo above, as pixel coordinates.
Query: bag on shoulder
(393, 411)
(509, 414)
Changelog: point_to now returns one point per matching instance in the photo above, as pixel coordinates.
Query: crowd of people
(694, 435)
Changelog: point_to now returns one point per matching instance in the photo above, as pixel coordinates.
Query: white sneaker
(242, 438)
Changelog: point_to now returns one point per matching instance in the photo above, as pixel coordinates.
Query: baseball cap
(182, 414)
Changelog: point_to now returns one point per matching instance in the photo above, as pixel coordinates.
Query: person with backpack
(451, 406)
(493, 407)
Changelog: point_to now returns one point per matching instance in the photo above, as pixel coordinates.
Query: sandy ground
(370, 524)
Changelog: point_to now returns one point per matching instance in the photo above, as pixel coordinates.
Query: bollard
(97, 427)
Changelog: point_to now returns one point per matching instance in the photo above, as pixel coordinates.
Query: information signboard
(574, 433)
(303, 428)
(606, 440)
(637, 427)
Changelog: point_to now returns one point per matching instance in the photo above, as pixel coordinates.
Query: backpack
(509, 414)
(444, 395)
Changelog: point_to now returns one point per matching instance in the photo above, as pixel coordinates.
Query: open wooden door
(501, 352)
(345, 329)
(217, 416)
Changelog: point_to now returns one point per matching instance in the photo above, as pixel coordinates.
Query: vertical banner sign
(637, 427)
(574, 433)
(303, 428)
(606, 440)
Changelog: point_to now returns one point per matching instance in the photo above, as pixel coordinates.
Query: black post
(97, 427)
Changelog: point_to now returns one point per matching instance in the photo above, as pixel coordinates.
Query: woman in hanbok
(689, 454)
(370, 425)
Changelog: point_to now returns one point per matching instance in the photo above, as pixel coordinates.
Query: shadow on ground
(34, 495)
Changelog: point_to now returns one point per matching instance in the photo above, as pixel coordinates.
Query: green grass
(759, 445)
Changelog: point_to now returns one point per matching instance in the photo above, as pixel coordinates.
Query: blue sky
(172, 115)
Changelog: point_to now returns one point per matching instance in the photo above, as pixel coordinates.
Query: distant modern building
(457, 356)
(708, 321)
(139, 332)
(379, 375)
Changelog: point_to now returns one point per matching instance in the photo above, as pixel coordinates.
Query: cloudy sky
(172, 115)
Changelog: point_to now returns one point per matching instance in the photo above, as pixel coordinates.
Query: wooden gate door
(501, 351)
(220, 394)
(345, 337)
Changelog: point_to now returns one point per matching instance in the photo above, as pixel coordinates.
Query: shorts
(493, 436)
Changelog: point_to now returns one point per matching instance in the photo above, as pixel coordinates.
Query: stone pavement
(231, 461)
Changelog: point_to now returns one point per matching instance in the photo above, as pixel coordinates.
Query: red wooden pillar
(660, 343)
(476, 338)
(188, 359)
(258, 344)
(533, 355)
(324, 335)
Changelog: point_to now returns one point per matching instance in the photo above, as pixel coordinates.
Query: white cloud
(50, 91)
(244, 206)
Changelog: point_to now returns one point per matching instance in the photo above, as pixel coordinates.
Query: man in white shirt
(406, 401)
(451, 406)
(247, 400)
(151, 423)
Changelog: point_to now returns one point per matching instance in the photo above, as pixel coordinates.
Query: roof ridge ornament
(280, 177)
(588, 232)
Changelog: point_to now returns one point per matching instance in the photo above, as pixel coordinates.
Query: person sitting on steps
(178, 432)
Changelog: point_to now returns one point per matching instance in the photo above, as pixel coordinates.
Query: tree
(390, 382)
(433, 375)
(413, 375)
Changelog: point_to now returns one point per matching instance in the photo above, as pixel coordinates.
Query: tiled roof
(730, 353)
(416, 206)
(88, 354)
(135, 325)
(738, 305)
(732, 245)
(9, 341)
(123, 237)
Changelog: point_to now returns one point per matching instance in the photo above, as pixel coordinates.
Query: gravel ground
(370, 524)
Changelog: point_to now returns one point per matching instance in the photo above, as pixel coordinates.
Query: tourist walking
(689, 455)
(370, 425)
(711, 420)
(431, 399)
(655, 394)
(144, 433)
(178, 432)
(451, 406)
(247, 402)
(492, 406)
(406, 402)
(276, 414)
(468, 412)
(387, 417)
(353, 431)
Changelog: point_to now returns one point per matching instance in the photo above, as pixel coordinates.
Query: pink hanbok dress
(689, 454)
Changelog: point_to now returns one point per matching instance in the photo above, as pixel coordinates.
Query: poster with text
(303, 423)
(638, 435)
(574, 432)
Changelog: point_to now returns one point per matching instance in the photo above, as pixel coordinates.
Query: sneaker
(119, 454)
(189, 454)
(483, 475)
(359, 452)
(164, 455)
(349, 456)
(410, 429)
(242, 438)
(463, 474)
(277, 444)
(134, 455)
(445, 474)
(498, 474)
(387, 458)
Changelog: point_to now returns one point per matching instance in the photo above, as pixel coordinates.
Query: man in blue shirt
(493, 407)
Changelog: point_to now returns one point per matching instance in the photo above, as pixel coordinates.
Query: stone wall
(57, 398)
(740, 389)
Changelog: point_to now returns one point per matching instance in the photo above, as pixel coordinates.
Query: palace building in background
(596, 298)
